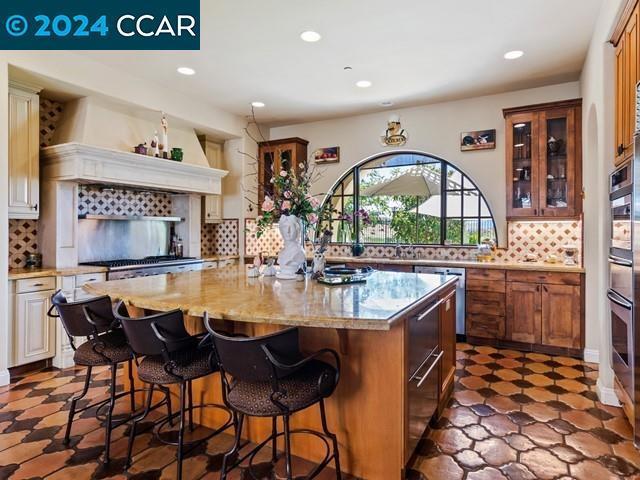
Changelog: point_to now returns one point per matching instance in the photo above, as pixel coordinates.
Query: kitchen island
(391, 332)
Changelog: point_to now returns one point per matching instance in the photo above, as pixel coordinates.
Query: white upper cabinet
(24, 112)
(212, 211)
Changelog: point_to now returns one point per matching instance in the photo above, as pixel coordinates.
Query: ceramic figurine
(319, 263)
(165, 135)
(270, 269)
(292, 256)
(155, 144)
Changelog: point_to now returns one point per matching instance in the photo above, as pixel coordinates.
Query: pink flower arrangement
(267, 204)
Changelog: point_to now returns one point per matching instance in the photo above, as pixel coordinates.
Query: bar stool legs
(334, 440)
(74, 401)
(287, 446)
(238, 420)
(112, 404)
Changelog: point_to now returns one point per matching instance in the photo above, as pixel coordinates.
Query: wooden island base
(367, 411)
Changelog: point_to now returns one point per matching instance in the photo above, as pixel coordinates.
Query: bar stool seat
(186, 365)
(298, 390)
(106, 349)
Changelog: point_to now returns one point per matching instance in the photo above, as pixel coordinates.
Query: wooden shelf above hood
(77, 162)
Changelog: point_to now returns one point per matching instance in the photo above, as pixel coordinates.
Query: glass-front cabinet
(543, 152)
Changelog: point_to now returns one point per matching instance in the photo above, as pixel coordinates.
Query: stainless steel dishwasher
(460, 291)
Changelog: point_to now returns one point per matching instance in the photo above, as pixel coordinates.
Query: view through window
(410, 199)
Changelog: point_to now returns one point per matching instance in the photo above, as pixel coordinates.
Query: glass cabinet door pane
(268, 171)
(556, 168)
(522, 190)
(285, 160)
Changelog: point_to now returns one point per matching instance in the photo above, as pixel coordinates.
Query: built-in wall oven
(621, 199)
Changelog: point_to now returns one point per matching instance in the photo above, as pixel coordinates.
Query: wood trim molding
(76, 162)
(622, 21)
(283, 141)
(574, 102)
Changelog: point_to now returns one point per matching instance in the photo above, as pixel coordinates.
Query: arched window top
(409, 198)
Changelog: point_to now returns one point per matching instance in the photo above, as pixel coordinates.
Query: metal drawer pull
(38, 284)
(433, 365)
(423, 315)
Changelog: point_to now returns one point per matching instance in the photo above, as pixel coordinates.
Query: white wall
(4, 225)
(598, 90)
(433, 129)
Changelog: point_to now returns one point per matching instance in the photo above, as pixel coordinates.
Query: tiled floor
(513, 416)
(33, 413)
(526, 416)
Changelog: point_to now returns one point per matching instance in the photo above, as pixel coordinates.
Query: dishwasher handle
(426, 313)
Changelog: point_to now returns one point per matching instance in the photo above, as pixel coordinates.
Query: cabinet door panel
(522, 165)
(631, 63)
(23, 154)
(523, 312)
(561, 315)
(36, 332)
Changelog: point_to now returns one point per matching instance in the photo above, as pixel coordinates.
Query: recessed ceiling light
(363, 83)
(386, 104)
(513, 54)
(519, 125)
(257, 104)
(310, 36)
(186, 71)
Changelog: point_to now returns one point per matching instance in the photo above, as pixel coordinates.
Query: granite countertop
(227, 293)
(496, 264)
(214, 258)
(21, 273)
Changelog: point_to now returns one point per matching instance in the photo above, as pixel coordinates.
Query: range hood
(81, 163)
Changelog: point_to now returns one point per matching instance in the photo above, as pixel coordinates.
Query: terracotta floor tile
(469, 459)
(41, 410)
(192, 467)
(76, 472)
(462, 416)
(502, 404)
(590, 469)
(478, 370)
(13, 395)
(587, 444)
(580, 419)
(543, 464)
(541, 412)
(442, 466)
(473, 383)
(476, 432)
(519, 442)
(542, 434)
(575, 401)
(567, 453)
(538, 367)
(505, 388)
(508, 362)
(538, 357)
(572, 385)
(481, 358)
(467, 397)
(10, 439)
(451, 440)
(568, 372)
(55, 382)
(507, 374)
(54, 420)
(538, 380)
(22, 452)
(613, 411)
(517, 471)
(488, 473)
(629, 452)
(495, 451)
(23, 404)
(42, 465)
(499, 425)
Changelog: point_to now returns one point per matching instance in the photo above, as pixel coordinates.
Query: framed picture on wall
(327, 155)
(478, 140)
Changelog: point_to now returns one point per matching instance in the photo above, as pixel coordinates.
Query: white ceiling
(414, 51)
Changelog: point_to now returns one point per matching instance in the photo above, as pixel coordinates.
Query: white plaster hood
(93, 143)
(80, 163)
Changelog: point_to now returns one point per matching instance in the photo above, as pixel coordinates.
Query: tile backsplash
(23, 239)
(541, 238)
(220, 238)
(117, 201)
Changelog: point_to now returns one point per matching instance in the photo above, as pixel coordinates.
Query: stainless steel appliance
(144, 267)
(621, 198)
(460, 291)
(424, 355)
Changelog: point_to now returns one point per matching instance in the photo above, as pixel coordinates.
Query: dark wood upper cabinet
(274, 156)
(544, 160)
(627, 74)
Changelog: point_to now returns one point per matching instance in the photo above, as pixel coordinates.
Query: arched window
(409, 198)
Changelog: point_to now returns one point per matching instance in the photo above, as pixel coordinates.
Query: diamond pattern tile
(543, 423)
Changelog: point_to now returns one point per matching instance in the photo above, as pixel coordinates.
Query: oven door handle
(619, 301)
(623, 262)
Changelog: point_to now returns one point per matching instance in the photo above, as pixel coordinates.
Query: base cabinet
(560, 308)
(447, 333)
(35, 331)
(523, 312)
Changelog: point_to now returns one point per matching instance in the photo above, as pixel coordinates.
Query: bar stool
(171, 356)
(268, 376)
(106, 345)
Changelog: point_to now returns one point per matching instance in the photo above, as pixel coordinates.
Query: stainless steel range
(144, 267)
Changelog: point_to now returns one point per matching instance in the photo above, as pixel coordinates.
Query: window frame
(354, 171)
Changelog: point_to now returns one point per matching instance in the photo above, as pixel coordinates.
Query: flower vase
(292, 256)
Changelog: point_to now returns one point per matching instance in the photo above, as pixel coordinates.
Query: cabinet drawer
(209, 265)
(490, 274)
(486, 303)
(27, 285)
(497, 286)
(559, 278)
(90, 278)
(485, 326)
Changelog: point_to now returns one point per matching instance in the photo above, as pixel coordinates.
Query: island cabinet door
(523, 312)
(448, 345)
(561, 314)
